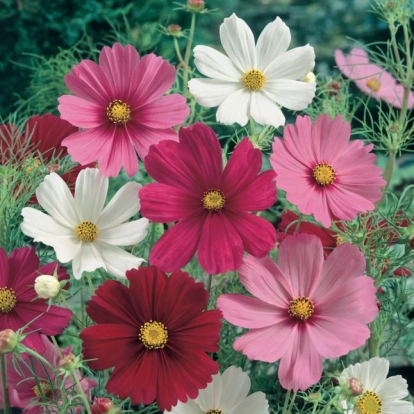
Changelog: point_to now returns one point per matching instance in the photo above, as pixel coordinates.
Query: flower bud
(8, 341)
(195, 6)
(309, 78)
(333, 88)
(355, 386)
(53, 168)
(174, 30)
(47, 286)
(103, 405)
(69, 362)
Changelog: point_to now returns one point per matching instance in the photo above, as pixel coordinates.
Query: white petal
(212, 92)
(273, 41)
(124, 204)
(216, 65)
(190, 407)
(235, 108)
(125, 234)
(118, 261)
(238, 42)
(209, 397)
(265, 111)
(90, 194)
(373, 373)
(55, 197)
(88, 259)
(47, 230)
(235, 387)
(393, 388)
(400, 407)
(291, 94)
(294, 64)
(255, 403)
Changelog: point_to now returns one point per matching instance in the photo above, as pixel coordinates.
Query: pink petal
(20, 266)
(4, 268)
(220, 248)
(178, 245)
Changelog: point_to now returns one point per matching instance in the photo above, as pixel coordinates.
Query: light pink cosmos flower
(323, 173)
(303, 309)
(119, 104)
(371, 79)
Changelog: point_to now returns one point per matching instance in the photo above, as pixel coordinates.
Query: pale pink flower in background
(253, 80)
(323, 172)
(119, 103)
(371, 79)
(303, 309)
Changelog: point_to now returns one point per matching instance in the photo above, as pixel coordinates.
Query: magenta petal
(22, 263)
(165, 204)
(4, 268)
(178, 245)
(257, 234)
(221, 248)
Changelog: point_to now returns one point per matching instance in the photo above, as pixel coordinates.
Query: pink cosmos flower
(18, 303)
(303, 309)
(119, 105)
(323, 173)
(371, 79)
(211, 206)
(25, 389)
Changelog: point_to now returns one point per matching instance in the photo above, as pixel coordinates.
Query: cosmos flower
(376, 393)
(119, 103)
(19, 305)
(303, 309)
(253, 80)
(156, 334)
(80, 229)
(371, 79)
(323, 173)
(211, 206)
(227, 393)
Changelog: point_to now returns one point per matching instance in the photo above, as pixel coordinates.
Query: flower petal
(235, 385)
(212, 92)
(265, 111)
(125, 234)
(235, 108)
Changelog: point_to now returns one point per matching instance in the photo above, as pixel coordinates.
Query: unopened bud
(103, 405)
(355, 386)
(8, 341)
(379, 305)
(53, 168)
(69, 362)
(309, 78)
(47, 286)
(333, 88)
(195, 5)
(174, 30)
(411, 241)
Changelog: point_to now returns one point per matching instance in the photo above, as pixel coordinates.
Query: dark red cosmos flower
(212, 206)
(18, 305)
(156, 335)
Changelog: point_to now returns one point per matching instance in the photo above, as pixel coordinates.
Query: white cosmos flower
(253, 80)
(80, 229)
(226, 394)
(380, 395)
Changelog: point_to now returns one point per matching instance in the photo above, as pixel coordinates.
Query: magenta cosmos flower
(18, 303)
(303, 309)
(119, 105)
(323, 173)
(371, 79)
(156, 334)
(211, 206)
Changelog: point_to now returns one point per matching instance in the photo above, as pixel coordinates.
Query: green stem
(188, 54)
(389, 168)
(81, 392)
(252, 126)
(178, 52)
(292, 401)
(40, 358)
(91, 288)
(373, 346)
(285, 405)
(209, 281)
(6, 401)
(62, 387)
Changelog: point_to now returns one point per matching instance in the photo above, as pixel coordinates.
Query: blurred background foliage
(36, 35)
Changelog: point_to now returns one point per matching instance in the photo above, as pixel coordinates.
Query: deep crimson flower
(119, 103)
(211, 206)
(156, 335)
(18, 305)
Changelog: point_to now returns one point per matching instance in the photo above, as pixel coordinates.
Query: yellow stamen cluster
(214, 411)
(118, 112)
(213, 200)
(31, 165)
(373, 84)
(153, 335)
(8, 299)
(45, 389)
(323, 174)
(369, 403)
(301, 308)
(86, 231)
(254, 79)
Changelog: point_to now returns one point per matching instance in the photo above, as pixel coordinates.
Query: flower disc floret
(118, 112)
(374, 84)
(254, 80)
(301, 308)
(8, 299)
(43, 389)
(323, 174)
(369, 403)
(214, 411)
(154, 335)
(213, 200)
(86, 231)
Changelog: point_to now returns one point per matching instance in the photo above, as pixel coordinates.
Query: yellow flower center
(254, 79)
(323, 174)
(301, 308)
(153, 335)
(31, 164)
(369, 403)
(339, 239)
(118, 112)
(8, 299)
(213, 200)
(214, 411)
(373, 84)
(45, 389)
(86, 231)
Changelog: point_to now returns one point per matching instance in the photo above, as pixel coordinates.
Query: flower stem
(285, 405)
(44, 361)
(186, 68)
(91, 288)
(389, 168)
(81, 392)
(252, 127)
(178, 53)
(6, 402)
